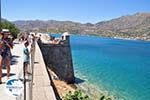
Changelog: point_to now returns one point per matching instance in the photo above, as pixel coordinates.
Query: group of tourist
(6, 44)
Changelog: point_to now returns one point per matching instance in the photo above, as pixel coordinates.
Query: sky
(83, 11)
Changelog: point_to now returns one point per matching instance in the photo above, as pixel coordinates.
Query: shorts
(6, 55)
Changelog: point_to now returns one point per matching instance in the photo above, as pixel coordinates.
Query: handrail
(32, 68)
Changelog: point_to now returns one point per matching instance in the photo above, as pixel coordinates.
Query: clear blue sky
(74, 10)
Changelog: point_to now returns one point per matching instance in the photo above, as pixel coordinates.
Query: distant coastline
(130, 27)
(115, 37)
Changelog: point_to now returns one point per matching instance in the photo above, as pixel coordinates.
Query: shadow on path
(5, 74)
(36, 62)
(14, 59)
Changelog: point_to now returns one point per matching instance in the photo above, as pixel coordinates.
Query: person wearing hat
(6, 52)
(1, 44)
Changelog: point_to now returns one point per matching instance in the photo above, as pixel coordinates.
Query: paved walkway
(42, 89)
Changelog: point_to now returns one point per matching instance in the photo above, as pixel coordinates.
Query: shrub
(13, 29)
(77, 95)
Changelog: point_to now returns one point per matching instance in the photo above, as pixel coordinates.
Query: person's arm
(9, 44)
(1, 44)
(31, 50)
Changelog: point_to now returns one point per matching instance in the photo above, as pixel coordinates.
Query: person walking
(26, 57)
(7, 45)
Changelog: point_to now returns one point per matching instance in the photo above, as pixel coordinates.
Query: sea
(121, 67)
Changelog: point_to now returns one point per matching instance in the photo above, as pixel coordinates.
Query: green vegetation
(104, 98)
(13, 29)
(77, 95)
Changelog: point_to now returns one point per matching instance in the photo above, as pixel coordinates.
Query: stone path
(42, 90)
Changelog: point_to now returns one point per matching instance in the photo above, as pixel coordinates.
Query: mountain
(127, 24)
(130, 26)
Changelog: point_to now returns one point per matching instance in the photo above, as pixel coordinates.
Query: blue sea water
(119, 66)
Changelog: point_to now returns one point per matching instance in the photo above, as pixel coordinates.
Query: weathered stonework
(58, 58)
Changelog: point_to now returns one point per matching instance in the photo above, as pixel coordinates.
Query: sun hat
(5, 31)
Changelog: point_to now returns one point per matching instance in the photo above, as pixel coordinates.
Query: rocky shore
(62, 87)
(93, 92)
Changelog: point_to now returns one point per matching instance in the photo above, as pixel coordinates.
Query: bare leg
(8, 67)
(26, 68)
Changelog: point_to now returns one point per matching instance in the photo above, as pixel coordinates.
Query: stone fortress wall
(57, 56)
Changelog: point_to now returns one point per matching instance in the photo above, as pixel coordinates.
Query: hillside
(130, 26)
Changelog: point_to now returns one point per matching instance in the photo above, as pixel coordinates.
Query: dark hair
(26, 43)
